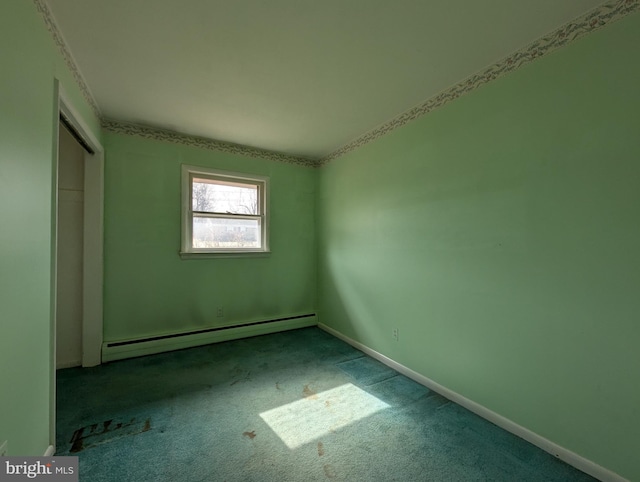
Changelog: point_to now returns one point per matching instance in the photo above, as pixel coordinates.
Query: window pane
(215, 196)
(226, 233)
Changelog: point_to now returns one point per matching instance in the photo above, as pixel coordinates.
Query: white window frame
(262, 182)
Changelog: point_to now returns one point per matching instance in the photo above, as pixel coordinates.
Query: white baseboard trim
(135, 349)
(50, 451)
(554, 449)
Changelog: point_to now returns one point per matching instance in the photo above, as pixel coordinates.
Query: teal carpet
(294, 406)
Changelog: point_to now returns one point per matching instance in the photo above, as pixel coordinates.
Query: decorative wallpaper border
(150, 132)
(603, 15)
(202, 142)
(49, 21)
(597, 18)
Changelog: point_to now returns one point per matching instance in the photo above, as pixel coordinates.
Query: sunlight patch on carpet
(303, 421)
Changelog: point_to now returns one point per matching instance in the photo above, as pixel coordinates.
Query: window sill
(224, 254)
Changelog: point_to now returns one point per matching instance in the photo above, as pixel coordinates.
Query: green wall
(150, 290)
(500, 235)
(29, 62)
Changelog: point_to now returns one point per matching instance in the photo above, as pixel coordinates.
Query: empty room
(340, 240)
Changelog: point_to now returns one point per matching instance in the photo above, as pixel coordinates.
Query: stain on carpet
(251, 434)
(328, 471)
(309, 393)
(103, 432)
(320, 449)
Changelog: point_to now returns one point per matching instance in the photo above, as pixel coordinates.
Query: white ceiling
(298, 77)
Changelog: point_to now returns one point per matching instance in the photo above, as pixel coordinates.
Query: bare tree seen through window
(225, 198)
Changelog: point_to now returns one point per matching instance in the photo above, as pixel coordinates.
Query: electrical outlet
(220, 313)
(4, 449)
(395, 334)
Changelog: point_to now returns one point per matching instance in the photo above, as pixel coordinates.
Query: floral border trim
(605, 14)
(150, 132)
(146, 132)
(595, 19)
(58, 38)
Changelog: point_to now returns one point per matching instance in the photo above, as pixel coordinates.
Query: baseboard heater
(117, 350)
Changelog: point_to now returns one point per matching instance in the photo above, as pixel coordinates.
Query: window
(223, 213)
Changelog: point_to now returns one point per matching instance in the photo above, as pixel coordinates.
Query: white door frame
(93, 236)
(92, 271)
